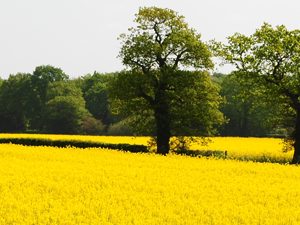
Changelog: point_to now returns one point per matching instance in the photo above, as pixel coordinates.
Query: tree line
(48, 101)
(167, 89)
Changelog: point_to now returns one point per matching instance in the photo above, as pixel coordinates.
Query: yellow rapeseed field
(249, 148)
(236, 147)
(47, 185)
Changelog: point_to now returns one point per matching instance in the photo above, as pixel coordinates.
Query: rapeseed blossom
(236, 147)
(48, 185)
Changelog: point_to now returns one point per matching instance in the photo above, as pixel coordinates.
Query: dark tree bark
(162, 119)
(296, 136)
(163, 132)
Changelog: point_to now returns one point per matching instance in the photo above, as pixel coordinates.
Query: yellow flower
(47, 185)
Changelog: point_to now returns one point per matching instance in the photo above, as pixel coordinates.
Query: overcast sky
(80, 36)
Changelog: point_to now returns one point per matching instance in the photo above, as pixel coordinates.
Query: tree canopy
(95, 93)
(65, 110)
(271, 56)
(251, 109)
(41, 77)
(15, 102)
(159, 50)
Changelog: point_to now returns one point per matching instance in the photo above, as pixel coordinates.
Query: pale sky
(80, 36)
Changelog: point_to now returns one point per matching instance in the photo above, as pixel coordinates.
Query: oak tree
(270, 57)
(167, 89)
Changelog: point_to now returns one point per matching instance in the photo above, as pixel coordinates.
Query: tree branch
(158, 37)
(293, 97)
(143, 67)
(148, 98)
(178, 58)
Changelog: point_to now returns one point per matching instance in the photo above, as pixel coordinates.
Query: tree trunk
(296, 136)
(163, 135)
(162, 119)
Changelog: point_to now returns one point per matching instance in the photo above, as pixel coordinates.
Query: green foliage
(65, 110)
(41, 78)
(192, 97)
(183, 143)
(64, 114)
(45, 102)
(63, 88)
(163, 37)
(126, 101)
(194, 104)
(90, 125)
(15, 99)
(119, 129)
(94, 88)
(271, 57)
(156, 95)
(204, 153)
(252, 110)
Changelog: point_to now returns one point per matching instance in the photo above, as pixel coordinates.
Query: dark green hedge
(88, 144)
(205, 153)
(73, 143)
